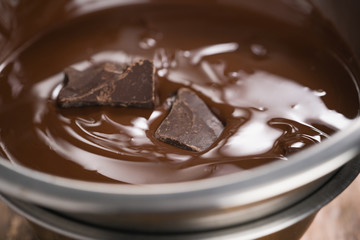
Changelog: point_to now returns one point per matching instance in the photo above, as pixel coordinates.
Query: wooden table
(340, 220)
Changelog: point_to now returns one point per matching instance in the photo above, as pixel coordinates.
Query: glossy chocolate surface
(276, 88)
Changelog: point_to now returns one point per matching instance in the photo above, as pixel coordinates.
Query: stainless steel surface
(257, 229)
(204, 204)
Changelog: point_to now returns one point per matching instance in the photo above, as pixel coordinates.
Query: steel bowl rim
(253, 230)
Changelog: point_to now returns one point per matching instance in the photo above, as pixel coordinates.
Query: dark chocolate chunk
(110, 84)
(190, 124)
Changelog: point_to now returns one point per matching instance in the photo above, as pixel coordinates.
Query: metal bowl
(201, 205)
(289, 223)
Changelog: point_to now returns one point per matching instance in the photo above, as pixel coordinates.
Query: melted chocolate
(277, 89)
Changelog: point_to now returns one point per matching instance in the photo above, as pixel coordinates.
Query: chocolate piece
(110, 84)
(190, 124)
